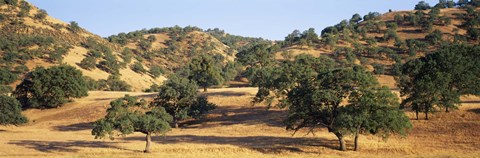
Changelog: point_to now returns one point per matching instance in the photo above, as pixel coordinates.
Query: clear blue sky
(270, 19)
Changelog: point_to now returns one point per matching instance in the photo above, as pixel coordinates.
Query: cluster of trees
(50, 87)
(437, 80)
(124, 38)
(308, 37)
(177, 100)
(97, 51)
(313, 91)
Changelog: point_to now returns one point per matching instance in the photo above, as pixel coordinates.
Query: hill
(30, 37)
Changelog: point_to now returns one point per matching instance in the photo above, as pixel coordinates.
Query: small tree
(204, 71)
(179, 98)
(88, 63)
(42, 14)
(74, 27)
(128, 115)
(156, 71)
(51, 87)
(422, 5)
(11, 111)
(138, 67)
(7, 77)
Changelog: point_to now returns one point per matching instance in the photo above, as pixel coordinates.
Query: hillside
(32, 38)
(383, 42)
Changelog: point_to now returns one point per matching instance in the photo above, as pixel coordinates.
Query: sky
(269, 19)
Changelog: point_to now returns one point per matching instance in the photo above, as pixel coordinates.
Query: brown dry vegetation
(234, 129)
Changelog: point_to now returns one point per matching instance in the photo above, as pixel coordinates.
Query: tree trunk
(204, 88)
(148, 139)
(426, 114)
(175, 122)
(446, 109)
(416, 113)
(341, 141)
(357, 134)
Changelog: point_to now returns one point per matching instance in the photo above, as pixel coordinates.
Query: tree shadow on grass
(477, 111)
(75, 127)
(63, 146)
(264, 144)
(226, 94)
(231, 115)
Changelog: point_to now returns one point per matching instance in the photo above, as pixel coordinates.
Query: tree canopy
(180, 99)
(51, 87)
(11, 111)
(128, 115)
(439, 79)
(205, 71)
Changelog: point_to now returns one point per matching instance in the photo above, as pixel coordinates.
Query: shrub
(88, 63)
(42, 14)
(138, 67)
(51, 87)
(156, 71)
(11, 111)
(378, 68)
(6, 76)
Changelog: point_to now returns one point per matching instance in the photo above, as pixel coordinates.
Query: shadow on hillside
(264, 144)
(63, 146)
(226, 94)
(229, 115)
(411, 31)
(471, 102)
(474, 110)
(75, 127)
(139, 96)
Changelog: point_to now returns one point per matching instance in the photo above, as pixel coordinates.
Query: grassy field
(234, 129)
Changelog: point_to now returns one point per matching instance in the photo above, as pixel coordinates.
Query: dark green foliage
(4, 89)
(91, 84)
(11, 111)
(74, 27)
(153, 88)
(372, 16)
(138, 67)
(308, 37)
(399, 19)
(88, 63)
(422, 5)
(42, 14)
(128, 115)
(317, 102)
(473, 33)
(439, 79)
(356, 18)
(378, 68)
(110, 64)
(127, 55)
(7, 77)
(156, 71)
(435, 37)
(230, 71)
(113, 83)
(51, 87)
(11, 2)
(179, 98)
(204, 71)
(20, 69)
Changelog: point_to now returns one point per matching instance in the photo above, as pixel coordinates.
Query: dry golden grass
(234, 129)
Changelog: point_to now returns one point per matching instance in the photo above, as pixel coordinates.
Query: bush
(435, 37)
(74, 27)
(51, 87)
(138, 67)
(4, 90)
(7, 77)
(42, 14)
(88, 63)
(422, 5)
(113, 83)
(11, 111)
(156, 71)
(20, 69)
(378, 68)
(153, 88)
